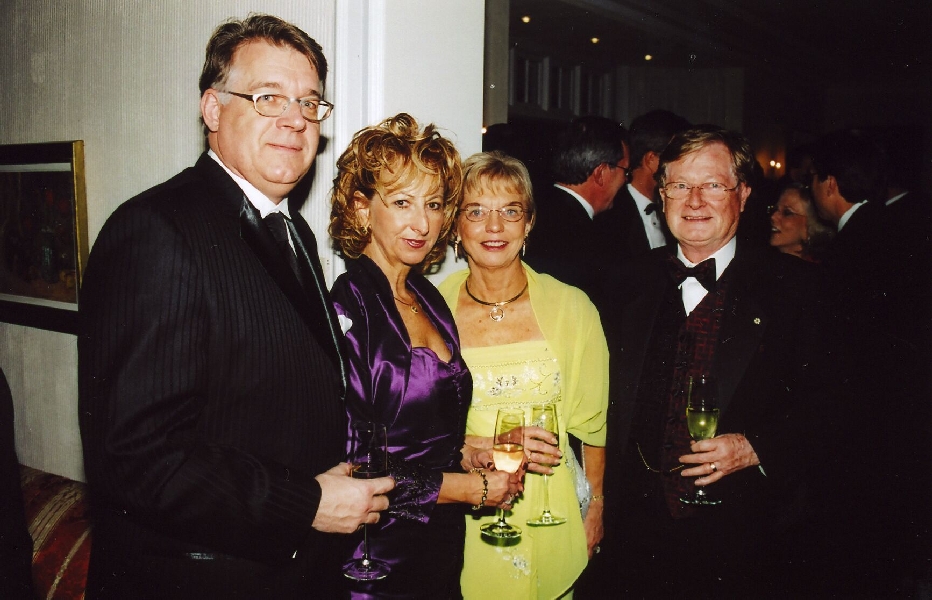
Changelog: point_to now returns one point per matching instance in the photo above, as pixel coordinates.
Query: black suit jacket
(769, 349)
(210, 396)
(562, 243)
(879, 280)
(620, 230)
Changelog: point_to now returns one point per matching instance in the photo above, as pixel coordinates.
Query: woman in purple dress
(392, 209)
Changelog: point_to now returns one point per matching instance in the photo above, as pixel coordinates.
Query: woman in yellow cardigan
(527, 339)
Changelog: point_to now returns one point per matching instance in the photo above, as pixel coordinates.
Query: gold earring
(524, 246)
(456, 248)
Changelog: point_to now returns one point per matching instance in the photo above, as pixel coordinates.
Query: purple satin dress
(423, 401)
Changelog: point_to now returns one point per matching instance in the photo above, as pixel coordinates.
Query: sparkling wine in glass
(702, 421)
(545, 417)
(508, 455)
(368, 454)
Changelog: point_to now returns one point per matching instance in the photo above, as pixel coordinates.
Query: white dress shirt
(651, 221)
(692, 290)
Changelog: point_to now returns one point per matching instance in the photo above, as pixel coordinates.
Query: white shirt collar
(585, 204)
(847, 216)
(691, 290)
(723, 257)
(651, 221)
(895, 198)
(257, 198)
(640, 199)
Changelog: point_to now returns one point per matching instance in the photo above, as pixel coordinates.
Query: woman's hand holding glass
(542, 450)
(503, 488)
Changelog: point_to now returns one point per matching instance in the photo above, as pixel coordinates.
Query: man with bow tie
(634, 224)
(708, 305)
(211, 375)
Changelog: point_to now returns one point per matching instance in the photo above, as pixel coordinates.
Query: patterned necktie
(276, 223)
(704, 272)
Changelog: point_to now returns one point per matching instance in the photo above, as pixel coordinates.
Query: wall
(122, 76)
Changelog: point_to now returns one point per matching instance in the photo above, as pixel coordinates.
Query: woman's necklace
(496, 314)
(412, 305)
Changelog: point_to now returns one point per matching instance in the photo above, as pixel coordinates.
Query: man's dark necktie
(276, 224)
(650, 208)
(704, 272)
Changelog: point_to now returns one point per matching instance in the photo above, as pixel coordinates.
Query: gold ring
(714, 468)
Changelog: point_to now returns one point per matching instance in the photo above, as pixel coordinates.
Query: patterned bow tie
(704, 272)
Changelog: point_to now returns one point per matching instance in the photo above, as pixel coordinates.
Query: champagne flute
(545, 417)
(508, 455)
(702, 421)
(369, 457)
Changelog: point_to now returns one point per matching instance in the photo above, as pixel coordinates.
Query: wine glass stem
(501, 517)
(365, 544)
(546, 494)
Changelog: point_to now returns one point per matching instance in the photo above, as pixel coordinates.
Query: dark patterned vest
(679, 347)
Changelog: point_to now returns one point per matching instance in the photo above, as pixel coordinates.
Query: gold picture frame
(43, 229)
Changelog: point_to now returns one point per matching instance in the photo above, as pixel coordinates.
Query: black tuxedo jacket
(210, 396)
(769, 348)
(620, 230)
(879, 281)
(562, 243)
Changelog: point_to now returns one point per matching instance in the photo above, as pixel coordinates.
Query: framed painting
(43, 233)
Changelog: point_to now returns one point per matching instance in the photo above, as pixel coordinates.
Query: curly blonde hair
(387, 156)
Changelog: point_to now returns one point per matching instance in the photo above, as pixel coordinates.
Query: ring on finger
(713, 467)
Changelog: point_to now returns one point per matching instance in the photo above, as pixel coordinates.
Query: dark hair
(652, 131)
(854, 160)
(583, 145)
(229, 36)
(388, 155)
(701, 136)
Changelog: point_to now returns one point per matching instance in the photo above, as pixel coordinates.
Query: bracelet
(599, 498)
(485, 488)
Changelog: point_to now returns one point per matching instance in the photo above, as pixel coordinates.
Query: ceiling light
(526, 19)
(594, 40)
(648, 57)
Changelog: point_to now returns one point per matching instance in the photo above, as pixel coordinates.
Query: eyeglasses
(710, 190)
(481, 213)
(313, 109)
(624, 169)
(784, 212)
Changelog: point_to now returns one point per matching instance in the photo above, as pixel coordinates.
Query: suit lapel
(743, 327)
(315, 287)
(314, 309)
(637, 324)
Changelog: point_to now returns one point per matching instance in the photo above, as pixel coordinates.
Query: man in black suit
(878, 279)
(589, 166)
(707, 305)
(210, 370)
(634, 225)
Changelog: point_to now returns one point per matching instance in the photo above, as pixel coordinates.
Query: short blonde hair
(390, 155)
(495, 171)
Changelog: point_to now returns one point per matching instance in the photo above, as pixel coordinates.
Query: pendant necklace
(496, 314)
(412, 305)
